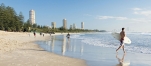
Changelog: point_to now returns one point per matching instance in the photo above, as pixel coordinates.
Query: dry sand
(19, 49)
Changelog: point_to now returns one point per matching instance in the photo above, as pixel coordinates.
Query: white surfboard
(118, 37)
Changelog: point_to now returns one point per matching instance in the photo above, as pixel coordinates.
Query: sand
(19, 49)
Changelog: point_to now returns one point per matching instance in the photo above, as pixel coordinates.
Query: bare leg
(123, 49)
(119, 48)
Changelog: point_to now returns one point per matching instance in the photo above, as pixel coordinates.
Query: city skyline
(53, 25)
(99, 14)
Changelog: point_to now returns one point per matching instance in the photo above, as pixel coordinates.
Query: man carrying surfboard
(122, 34)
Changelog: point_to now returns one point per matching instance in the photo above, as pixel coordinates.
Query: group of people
(40, 34)
(68, 35)
(122, 34)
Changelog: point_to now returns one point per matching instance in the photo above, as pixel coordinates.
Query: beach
(99, 49)
(82, 49)
(19, 49)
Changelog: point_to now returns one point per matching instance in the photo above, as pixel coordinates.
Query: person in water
(68, 36)
(122, 34)
(34, 34)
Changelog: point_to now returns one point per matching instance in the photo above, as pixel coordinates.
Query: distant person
(34, 34)
(50, 34)
(122, 34)
(43, 35)
(40, 33)
(68, 36)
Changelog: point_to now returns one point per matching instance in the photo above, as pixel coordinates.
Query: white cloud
(87, 15)
(140, 11)
(146, 13)
(128, 20)
(136, 13)
(111, 17)
(136, 9)
(139, 20)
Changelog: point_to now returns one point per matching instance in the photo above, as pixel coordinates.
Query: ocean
(98, 49)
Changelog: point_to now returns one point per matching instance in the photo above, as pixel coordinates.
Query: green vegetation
(13, 22)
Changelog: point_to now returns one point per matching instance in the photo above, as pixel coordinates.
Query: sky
(110, 15)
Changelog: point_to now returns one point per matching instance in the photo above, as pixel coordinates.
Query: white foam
(109, 42)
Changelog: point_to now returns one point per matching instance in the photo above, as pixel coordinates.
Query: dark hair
(122, 28)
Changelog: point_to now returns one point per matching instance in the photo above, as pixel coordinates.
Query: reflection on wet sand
(74, 46)
(68, 44)
(81, 49)
(52, 42)
(121, 61)
(64, 45)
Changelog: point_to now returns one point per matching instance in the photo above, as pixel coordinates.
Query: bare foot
(124, 52)
(116, 51)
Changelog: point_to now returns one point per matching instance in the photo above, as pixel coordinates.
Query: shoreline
(20, 49)
(93, 55)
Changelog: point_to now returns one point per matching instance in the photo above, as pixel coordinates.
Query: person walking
(122, 34)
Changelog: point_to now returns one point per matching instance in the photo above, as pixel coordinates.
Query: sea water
(98, 49)
(141, 42)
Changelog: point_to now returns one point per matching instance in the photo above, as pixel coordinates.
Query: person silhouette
(122, 34)
(121, 61)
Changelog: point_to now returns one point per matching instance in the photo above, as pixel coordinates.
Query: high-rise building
(71, 27)
(64, 23)
(74, 26)
(53, 24)
(82, 25)
(32, 16)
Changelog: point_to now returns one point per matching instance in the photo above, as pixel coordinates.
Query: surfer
(122, 33)
(68, 36)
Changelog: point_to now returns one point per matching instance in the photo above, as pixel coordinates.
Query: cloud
(136, 9)
(136, 13)
(128, 20)
(140, 20)
(146, 13)
(111, 17)
(140, 11)
(87, 15)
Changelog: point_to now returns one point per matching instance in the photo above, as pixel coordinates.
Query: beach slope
(19, 49)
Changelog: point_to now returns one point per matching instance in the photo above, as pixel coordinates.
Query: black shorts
(122, 42)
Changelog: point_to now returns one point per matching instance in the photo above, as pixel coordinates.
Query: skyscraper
(74, 26)
(64, 23)
(71, 27)
(32, 16)
(82, 25)
(53, 24)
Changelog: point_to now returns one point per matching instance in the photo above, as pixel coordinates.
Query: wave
(109, 42)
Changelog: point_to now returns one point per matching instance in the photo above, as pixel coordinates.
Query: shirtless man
(122, 33)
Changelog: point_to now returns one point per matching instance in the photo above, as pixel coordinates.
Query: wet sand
(19, 49)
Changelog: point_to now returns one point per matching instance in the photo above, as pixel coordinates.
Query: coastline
(20, 49)
(94, 55)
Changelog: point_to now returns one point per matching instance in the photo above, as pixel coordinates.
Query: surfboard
(118, 37)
